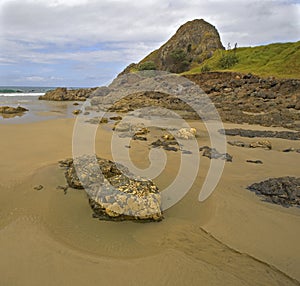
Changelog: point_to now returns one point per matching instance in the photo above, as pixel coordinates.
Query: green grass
(281, 60)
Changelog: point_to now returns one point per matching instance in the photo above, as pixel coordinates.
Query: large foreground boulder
(114, 193)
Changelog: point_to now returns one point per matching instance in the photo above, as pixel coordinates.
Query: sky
(82, 43)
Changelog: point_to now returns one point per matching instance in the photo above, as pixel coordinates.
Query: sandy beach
(233, 238)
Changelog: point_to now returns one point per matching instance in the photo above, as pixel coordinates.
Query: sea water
(38, 110)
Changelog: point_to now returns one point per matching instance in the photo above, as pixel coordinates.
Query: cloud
(68, 33)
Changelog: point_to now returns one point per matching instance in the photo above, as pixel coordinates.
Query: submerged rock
(12, 110)
(284, 191)
(114, 193)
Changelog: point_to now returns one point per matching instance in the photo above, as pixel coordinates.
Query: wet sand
(233, 238)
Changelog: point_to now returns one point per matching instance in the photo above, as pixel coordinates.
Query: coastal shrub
(178, 61)
(205, 68)
(228, 60)
(149, 65)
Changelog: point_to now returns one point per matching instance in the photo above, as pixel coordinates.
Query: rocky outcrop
(194, 42)
(283, 191)
(12, 110)
(246, 98)
(289, 135)
(114, 193)
(238, 98)
(64, 94)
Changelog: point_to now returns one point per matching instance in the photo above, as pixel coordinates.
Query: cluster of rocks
(289, 135)
(114, 193)
(12, 110)
(283, 191)
(267, 102)
(263, 101)
(64, 94)
(155, 94)
(213, 153)
(167, 142)
(152, 99)
(265, 144)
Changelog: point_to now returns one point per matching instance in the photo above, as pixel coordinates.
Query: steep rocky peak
(194, 42)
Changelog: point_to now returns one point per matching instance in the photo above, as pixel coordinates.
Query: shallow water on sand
(39, 110)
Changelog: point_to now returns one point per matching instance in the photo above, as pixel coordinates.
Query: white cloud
(53, 31)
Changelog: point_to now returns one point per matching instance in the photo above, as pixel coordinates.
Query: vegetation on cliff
(281, 60)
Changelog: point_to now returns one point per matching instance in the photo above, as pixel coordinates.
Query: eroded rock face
(12, 110)
(64, 94)
(114, 193)
(283, 191)
(262, 101)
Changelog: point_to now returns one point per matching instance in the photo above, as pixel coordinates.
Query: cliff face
(194, 42)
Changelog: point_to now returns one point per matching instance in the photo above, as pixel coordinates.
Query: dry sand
(233, 238)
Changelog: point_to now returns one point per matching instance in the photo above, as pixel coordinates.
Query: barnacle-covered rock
(114, 192)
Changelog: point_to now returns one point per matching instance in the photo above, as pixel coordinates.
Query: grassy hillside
(281, 60)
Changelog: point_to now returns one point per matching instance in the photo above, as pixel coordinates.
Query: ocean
(23, 90)
(39, 110)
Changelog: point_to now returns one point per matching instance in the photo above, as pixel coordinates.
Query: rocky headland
(195, 41)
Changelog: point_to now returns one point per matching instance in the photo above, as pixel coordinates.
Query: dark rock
(186, 152)
(288, 150)
(64, 188)
(170, 148)
(116, 118)
(165, 142)
(239, 144)
(290, 135)
(284, 191)
(212, 153)
(254, 161)
(141, 138)
(76, 111)
(39, 187)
